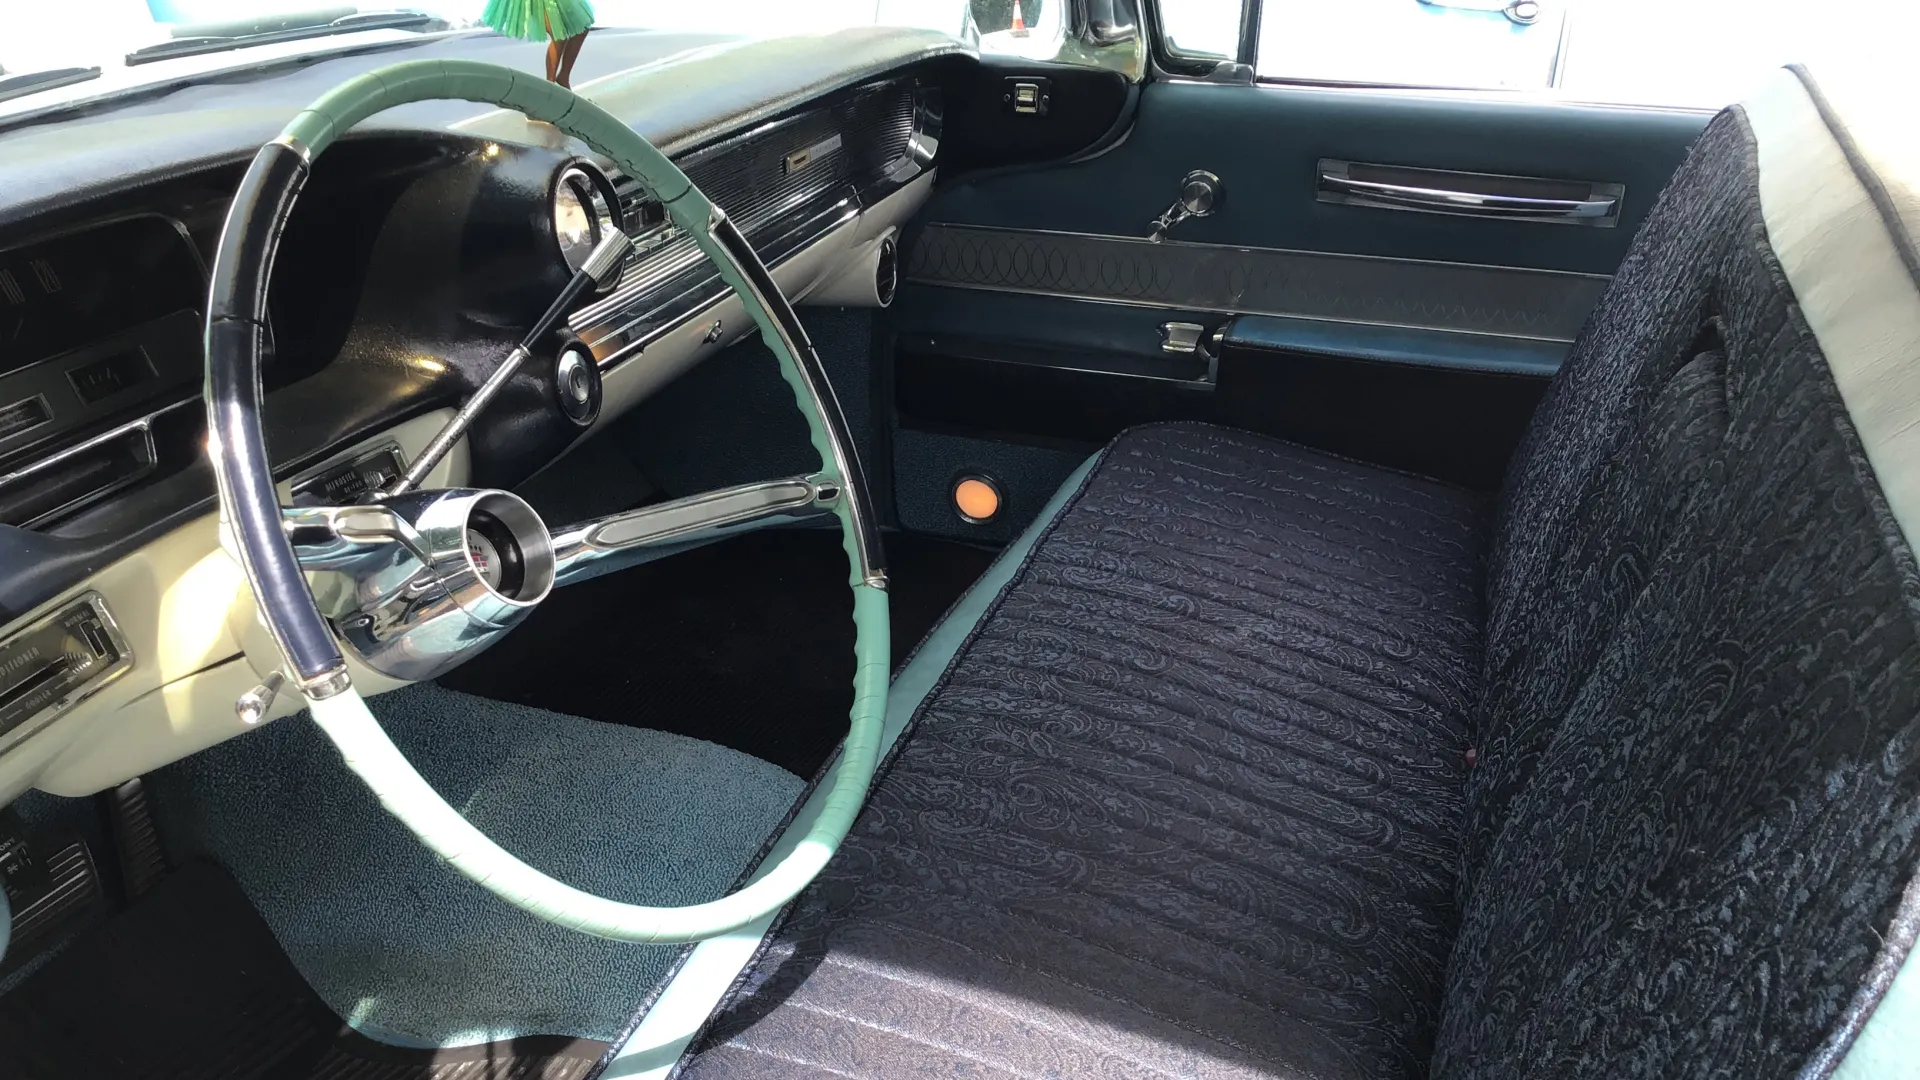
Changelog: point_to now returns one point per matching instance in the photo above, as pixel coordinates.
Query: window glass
(1202, 26)
(1693, 53)
(1711, 52)
(1470, 43)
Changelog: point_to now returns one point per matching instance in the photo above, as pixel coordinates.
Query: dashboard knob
(576, 383)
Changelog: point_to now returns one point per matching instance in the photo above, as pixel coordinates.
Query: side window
(1686, 53)
(1476, 44)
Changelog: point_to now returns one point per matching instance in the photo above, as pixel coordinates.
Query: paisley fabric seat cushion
(1252, 769)
(1187, 802)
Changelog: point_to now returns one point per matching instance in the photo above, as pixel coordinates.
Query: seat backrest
(1696, 808)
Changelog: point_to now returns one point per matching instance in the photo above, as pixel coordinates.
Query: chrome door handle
(1468, 202)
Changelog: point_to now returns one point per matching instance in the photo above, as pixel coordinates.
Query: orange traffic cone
(1019, 21)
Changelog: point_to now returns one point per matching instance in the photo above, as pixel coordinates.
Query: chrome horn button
(420, 582)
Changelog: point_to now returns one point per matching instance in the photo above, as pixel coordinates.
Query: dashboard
(417, 253)
(127, 292)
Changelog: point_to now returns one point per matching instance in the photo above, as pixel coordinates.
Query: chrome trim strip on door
(1542, 305)
(1469, 203)
(1466, 194)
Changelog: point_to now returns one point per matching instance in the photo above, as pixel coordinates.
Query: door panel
(1231, 279)
(1265, 141)
(1028, 327)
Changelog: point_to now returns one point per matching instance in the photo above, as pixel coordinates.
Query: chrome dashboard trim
(36, 401)
(302, 484)
(682, 295)
(665, 253)
(54, 710)
(859, 56)
(143, 426)
(661, 288)
(604, 206)
(923, 141)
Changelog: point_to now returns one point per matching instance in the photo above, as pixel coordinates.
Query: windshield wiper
(32, 82)
(193, 43)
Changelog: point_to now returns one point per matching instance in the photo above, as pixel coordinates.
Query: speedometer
(573, 224)
(584, 211)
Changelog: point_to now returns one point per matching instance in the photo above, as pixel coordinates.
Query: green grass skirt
(529, 20)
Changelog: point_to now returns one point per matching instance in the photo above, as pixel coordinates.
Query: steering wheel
(424, 539)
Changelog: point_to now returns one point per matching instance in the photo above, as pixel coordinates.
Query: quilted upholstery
(1196, 798)
(1699, 784)
(1188, 801)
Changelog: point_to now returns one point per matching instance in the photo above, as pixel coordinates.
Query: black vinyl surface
(747, 643)
(189, 984)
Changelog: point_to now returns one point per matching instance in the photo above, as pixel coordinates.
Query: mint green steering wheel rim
(337, 707)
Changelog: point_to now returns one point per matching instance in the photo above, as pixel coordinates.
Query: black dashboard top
(677, 89)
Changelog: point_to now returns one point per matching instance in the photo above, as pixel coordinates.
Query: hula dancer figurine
(563, 24)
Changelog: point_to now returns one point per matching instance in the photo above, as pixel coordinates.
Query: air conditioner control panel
(56, 663)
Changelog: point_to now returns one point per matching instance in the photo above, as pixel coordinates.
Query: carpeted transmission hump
(747, 643)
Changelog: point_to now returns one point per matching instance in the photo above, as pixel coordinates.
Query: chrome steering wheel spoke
(602, 545)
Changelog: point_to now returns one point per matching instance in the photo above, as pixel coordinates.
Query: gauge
(585, 209)
(486, 559)
(574, 224)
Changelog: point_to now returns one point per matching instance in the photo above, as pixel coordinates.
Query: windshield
(81, 35)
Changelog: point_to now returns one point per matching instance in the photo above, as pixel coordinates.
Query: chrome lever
(252, 706)
(1200, 195)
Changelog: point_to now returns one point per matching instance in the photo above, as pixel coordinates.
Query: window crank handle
(1201, 193)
